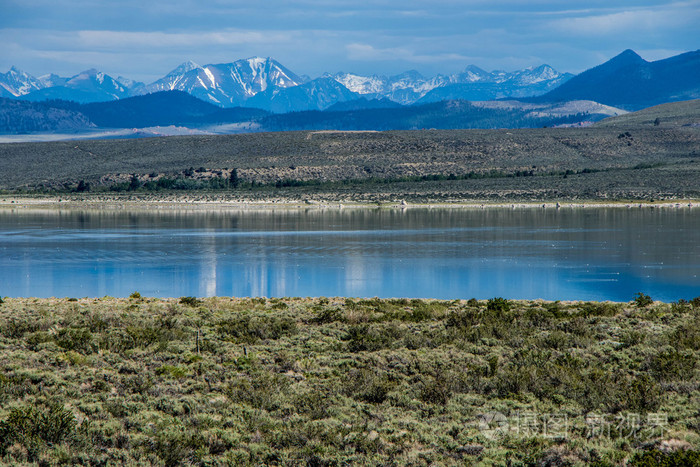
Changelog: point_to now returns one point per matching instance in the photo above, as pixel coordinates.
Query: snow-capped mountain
(133, 87)
(228, 84)
(405, 88)
(260, 82)
(172, 80)
(51, 80)
(317, 94)
(89, 86)
(411, 86)
(16, 83)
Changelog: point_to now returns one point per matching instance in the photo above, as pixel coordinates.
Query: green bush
(260, 390)
(642, 301)
(172, 371)
(366, 338)
(589, 309)
(498, 304)
(77, 339)
(324, 315)
(436, 390)
(36, 428)
(250, 329)
(671, 365)
(190, 301)
(656, 458)
(368, 386)
(686, 336)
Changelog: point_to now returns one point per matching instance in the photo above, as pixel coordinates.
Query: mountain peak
(184, 67)
(475, 69)
(410, 74)
(627, 56)
(258, 60)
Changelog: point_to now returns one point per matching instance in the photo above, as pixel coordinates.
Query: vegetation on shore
(349, 381)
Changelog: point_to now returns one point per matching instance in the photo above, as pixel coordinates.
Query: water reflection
(442, 253)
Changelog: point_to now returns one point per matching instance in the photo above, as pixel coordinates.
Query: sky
(145, 39)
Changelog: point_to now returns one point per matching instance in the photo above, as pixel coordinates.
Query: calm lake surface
(581, 254)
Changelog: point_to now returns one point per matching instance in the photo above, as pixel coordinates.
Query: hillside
(439, 115)
(545, 163)
(632, 83)
(675, 114)
(181, 109)
(18, 117)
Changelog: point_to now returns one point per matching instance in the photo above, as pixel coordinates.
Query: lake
(528, 253)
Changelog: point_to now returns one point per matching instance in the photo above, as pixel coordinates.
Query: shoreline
(208, 202)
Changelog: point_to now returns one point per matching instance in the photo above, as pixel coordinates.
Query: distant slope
(441, 115)
(363, 104)
(630, 82)
(163, 108)
(157, 109)
(674, 114)
(17, 117)
(181, 109)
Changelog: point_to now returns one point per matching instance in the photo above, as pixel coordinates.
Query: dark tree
(234, 180)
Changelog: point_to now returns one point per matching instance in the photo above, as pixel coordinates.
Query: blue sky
(144, 39)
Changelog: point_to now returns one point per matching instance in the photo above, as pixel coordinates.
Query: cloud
(129, 39)
(365, 52)
(624, 22)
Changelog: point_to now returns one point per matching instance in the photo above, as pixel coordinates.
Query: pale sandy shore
(223, 202)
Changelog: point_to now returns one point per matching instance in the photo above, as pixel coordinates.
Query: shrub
(34, 428)
(368, 386)
(672, 365)
(589, 309)
(172, 371)
(686, 336)
(190, 301)
(364, 338)
(436, 390)
(326, 315)
(498, 304)
(642, 301)
(656, 458)
(462, 320)
(260, 390)
(250, 329)
(77, 339)
(135, 296)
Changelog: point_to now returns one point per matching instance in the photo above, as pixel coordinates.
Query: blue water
(566, 254)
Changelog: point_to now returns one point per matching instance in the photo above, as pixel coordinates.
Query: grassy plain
(338, 381)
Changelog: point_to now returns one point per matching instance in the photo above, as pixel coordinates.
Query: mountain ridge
(233, 84)
(632, 83)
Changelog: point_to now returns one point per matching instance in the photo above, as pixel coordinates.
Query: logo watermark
(558, 425)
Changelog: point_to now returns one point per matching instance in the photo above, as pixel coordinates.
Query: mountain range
(260, 94)
(265, 83)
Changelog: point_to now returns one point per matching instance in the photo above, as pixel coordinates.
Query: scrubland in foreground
(348, 381)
